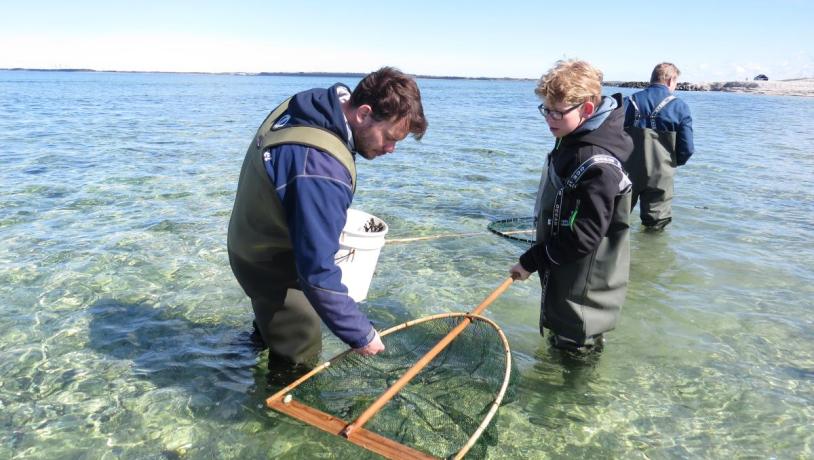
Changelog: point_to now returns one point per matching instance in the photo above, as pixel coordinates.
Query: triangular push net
(520, 229)
(425, 396)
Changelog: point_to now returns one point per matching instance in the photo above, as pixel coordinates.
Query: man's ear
(363, 112)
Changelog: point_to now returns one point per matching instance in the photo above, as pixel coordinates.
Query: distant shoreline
(803, 87)
(266, 74)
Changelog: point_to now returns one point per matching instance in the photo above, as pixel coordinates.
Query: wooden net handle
(421, 363)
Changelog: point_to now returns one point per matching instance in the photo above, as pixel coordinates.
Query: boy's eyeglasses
(555, 114)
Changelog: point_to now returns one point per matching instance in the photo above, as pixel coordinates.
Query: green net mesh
(440, 408)
(519, 229)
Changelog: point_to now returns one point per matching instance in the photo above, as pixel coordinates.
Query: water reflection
(216, 368)
(711, 358)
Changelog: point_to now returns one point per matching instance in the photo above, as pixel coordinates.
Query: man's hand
(519, 273)
(375, 346)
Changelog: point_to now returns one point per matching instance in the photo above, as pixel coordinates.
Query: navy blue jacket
(316, 192)
(675, 116)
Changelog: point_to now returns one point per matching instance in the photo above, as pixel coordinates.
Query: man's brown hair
(663, 72)
(393, 96)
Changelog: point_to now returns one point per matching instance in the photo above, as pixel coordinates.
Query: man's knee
(655, 208)
(589, 344)
(290, 329)
(656, 224)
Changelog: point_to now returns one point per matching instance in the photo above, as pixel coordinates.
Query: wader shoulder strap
(269, 135)
(272, 117)
(636, 115)
(572, 181)
(662, 104)
(571, 184)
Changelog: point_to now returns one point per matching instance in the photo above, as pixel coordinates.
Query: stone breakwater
(797, 87)
(685, 86)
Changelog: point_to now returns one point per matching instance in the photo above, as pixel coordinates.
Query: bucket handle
(347, 257)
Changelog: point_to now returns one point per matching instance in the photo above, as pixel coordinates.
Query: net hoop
(528, 222)
(284, 396)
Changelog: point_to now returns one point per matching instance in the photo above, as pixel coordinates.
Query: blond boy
(582, 251)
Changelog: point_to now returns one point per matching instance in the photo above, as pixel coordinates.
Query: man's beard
(362, 146)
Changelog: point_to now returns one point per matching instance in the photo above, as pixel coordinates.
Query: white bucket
(359, 252)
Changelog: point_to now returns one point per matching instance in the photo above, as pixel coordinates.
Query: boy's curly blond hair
(572, 82)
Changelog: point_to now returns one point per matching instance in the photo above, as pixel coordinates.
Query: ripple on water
(122, 329)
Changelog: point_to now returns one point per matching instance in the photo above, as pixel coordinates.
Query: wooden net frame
(283, 401)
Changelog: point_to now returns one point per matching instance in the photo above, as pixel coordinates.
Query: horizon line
(334, 74)
(259, 74)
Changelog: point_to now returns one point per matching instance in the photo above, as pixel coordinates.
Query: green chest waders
(652, 167)
(260, 250)
(583, 299)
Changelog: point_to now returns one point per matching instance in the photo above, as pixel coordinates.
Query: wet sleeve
(535, 259)
(684, 141)
(316, 202)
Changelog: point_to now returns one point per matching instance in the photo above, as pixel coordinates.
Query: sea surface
(123, 333)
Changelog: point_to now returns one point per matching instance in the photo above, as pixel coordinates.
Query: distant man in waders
(295, 187)
(661, 127)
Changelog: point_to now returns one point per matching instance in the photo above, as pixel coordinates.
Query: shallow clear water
(123, 332)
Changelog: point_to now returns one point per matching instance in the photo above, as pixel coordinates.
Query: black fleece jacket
(594, 197)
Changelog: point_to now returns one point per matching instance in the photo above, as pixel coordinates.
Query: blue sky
(708, 41)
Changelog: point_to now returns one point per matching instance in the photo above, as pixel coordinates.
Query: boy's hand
(373, 347)
(519, 273)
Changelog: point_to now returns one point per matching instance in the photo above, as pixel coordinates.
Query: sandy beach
(794, 87)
